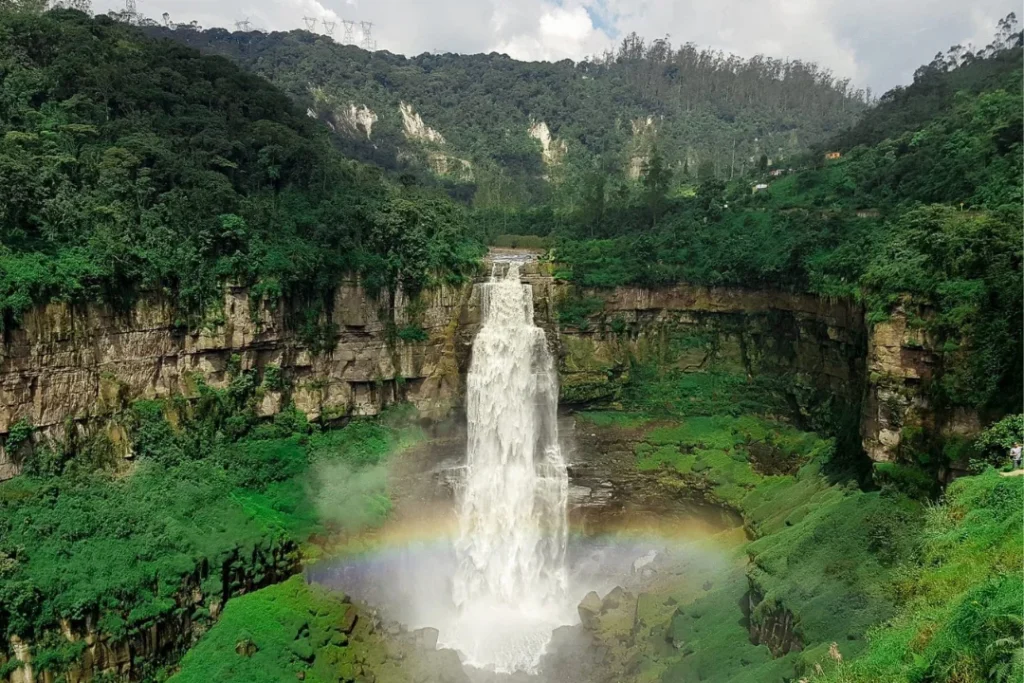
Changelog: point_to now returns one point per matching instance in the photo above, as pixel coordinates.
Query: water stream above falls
(503, 524)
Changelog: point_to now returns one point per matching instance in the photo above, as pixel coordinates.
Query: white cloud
(874, 42)
(557, 33)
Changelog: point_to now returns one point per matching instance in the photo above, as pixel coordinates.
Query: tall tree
(655, 178)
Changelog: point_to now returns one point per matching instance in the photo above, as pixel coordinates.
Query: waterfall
(510, 578)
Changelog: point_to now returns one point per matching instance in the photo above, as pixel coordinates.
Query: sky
(875, 43)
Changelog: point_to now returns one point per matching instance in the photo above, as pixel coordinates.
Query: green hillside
(130, 164)
(711, 114)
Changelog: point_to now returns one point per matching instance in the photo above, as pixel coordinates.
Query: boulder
(589, 610)
(425, 638)
(617, 597)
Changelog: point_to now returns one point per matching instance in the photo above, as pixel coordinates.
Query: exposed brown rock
(88, 363)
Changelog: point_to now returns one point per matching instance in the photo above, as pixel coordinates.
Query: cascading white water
(510, 579)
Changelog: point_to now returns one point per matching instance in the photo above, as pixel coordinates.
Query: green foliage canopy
(128, 164)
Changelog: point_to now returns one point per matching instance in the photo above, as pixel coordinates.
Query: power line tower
(310, 24)
(131, 12)
(244, 25)
(350, 32)
(368, 41)
(329, 26)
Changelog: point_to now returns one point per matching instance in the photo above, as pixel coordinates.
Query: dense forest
(129, 164)
(711, 114)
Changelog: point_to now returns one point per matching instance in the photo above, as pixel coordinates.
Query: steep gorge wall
(75, 368)
(902, 360)
(868, 379)
(135, 656)
(819, 345)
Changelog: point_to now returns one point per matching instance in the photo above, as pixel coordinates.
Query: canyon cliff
(70, 369)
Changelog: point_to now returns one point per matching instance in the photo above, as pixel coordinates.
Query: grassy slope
(960, 604)
(274, 634)
(823, 550)
(295, 631)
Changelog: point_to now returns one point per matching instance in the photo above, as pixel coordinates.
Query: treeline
(961, 69)
(129, 164)
(689, 78)
(708, 112)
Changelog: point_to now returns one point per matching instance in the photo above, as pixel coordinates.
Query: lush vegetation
(959, 615)
(927, 219)
(214, 502)
(710, 112)
(131, 164)
(823, 558)
(875, 585)
(274, 635)
(294, 631)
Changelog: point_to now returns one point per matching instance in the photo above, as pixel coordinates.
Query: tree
(655, 178)
(594, 200)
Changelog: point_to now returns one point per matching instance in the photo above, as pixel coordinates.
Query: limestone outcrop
(415, 128)
(552, 150)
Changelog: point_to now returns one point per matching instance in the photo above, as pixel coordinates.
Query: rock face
(552, 150)
(80, 366)
(819, 347)
(451, 166)
(360, 119)
(84, 365)
(644, 132)
(771, 626)
(902, 361)
(874, 378)
(415, 129)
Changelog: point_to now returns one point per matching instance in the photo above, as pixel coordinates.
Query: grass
(717, 649)
(824, 553)
(717, 451)
(657, 390)
(879, 585)
(959, 617)
(283, 633)
(293, 631)
(612, 418)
